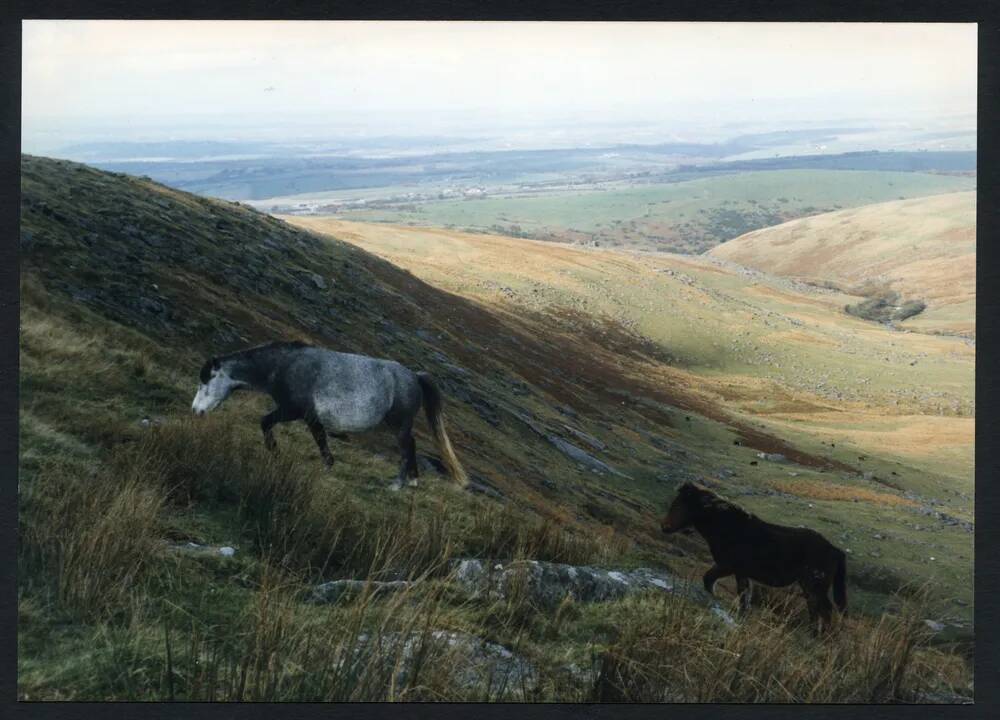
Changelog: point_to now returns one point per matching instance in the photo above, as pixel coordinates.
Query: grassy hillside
(128, 285)
(862, 409)
(689, 217)
(921, 249)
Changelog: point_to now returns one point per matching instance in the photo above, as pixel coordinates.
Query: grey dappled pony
(335, 393)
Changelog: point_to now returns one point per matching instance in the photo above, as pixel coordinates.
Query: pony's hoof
(412, 483)
(395, 487)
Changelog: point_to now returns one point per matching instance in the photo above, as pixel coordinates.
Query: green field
(690, 216)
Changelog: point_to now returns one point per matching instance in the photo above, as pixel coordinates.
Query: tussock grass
(91, 535)
(299, 517)
(670, 651)
(279, 649)
(100, 536)
(294, 514)
(505, 532)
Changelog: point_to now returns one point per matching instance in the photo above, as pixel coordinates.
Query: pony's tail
(840, 583)
(435, 418)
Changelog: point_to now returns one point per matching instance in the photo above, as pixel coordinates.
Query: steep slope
(195, 277)
(922, 248)
(575, 427)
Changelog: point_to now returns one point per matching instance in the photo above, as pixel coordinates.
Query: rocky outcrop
(547, 584)
(544, 584)
(486, 669)
(581, 457)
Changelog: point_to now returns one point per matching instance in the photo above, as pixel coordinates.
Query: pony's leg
(825, 611)
(411, 459)
(714, 573)
(408, 458)
(820, 607)
(267, 423)
(744, 591)
(817, 589)
(319, 435)
(813, 610)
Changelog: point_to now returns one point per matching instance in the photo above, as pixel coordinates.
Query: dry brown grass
(93, 535)
(817, 490)
(504, 532)
(280, 649)
(668, 651)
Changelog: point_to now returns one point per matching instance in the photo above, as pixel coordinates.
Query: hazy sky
(224, 79)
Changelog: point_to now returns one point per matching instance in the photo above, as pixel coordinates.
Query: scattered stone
(772, 457)
(195, 548)
(318, 280)
(337, 590)
(934, 625)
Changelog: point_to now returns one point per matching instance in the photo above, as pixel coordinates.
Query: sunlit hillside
(923, 248)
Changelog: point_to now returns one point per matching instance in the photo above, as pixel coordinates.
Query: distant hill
(922, 249)
(947, 161)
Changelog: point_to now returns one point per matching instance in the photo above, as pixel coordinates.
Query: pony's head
(683, 509)
(217, 384)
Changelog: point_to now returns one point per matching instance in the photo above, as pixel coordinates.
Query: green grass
(690, 216)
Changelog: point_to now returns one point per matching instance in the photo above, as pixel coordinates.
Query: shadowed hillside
(163, 558)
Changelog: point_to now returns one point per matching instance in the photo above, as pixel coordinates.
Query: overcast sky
(229, 79)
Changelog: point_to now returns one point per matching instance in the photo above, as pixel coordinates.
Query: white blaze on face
(213, 392)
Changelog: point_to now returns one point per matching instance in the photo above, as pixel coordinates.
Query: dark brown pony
(745, 546)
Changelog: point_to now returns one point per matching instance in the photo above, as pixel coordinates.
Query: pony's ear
(215, 363)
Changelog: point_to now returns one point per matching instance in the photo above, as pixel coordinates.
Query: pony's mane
(715, 503)
(250, 352)
(276, 345)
